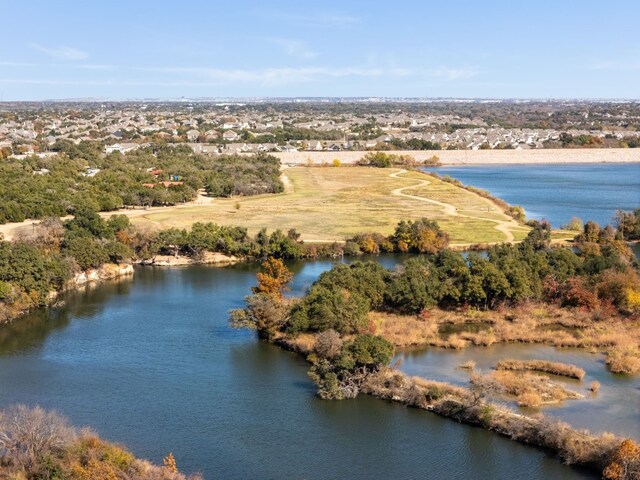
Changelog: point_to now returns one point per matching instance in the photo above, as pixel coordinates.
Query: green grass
(331, 204)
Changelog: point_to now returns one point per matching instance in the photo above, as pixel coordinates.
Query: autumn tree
(273, 279)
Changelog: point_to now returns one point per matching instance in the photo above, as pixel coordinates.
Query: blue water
(153, 363)
(558, 192)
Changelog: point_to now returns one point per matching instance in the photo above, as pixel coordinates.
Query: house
(170, 184)
(267, 147)
(212, 135)
(235, 148)
(121, 147)
(192, 135)
(203, 148)
(230, 136)
(287, 148)
(313, 145)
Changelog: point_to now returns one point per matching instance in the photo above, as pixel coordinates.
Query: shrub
(555, 368)
(29, 434)
(529, 399)
(328, 344)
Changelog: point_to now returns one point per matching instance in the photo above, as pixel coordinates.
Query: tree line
(155, 176)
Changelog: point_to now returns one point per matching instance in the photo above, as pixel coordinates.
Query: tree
(416, 287)
(273, 279)
(326, 308)
(369, 351)
(487, 284)
(628, 224)
(377, 159)
(539, 238)
(342, 375)
(421, 236)
(263, 313)
(89, 253)
(87, 222)
(367, 279)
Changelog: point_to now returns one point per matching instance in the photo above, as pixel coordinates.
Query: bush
(330, 308)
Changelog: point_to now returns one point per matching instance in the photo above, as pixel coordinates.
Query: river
(557, 192)
(152, 363)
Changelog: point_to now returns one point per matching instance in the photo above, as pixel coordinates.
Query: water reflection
(32, 329)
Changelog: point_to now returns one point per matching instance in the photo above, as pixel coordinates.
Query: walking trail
(503, 226)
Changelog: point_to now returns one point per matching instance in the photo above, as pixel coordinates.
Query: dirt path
(286, 181)
(503, 226)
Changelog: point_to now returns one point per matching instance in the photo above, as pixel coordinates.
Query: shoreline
(461, 404)
(83, 279)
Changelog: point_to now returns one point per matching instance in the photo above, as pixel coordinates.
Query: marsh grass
(528, 389)
(576, 447)
(618, 337)
(555, 368)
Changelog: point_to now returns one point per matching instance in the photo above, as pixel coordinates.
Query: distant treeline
(38, 188)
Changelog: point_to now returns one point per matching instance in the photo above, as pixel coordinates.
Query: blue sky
(491, 49)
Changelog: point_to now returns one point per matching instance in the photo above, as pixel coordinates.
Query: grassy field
(329, 204)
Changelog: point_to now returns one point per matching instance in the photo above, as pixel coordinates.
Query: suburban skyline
(320, 49)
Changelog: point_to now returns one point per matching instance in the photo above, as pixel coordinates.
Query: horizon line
(311, 98)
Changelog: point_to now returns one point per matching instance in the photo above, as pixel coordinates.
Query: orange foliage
(273, 279)
(625, 462)
(169, 463)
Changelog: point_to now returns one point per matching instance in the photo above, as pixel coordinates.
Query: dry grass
(616, 336)
(529, 399)
(578, 447)
(529, 389)
(302, 343)
(404, 330)
(594, 386)
(624, 358)
(468, 365)
(331, 204)
(35, 443)
(555, 368)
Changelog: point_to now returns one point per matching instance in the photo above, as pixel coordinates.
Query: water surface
(615, 408)
(558, 192)
(153, 364)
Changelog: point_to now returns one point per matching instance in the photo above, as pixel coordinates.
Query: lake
(152, 363)
(557, 192)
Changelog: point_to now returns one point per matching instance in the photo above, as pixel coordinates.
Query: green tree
(86, 251)
(330, 308)
(416, 287)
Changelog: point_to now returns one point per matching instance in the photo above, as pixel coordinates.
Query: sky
(116, 49)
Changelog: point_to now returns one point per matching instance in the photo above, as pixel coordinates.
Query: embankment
(478, 157)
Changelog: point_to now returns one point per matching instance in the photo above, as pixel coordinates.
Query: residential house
(192, 135)
(230, 136)
(121, 147)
